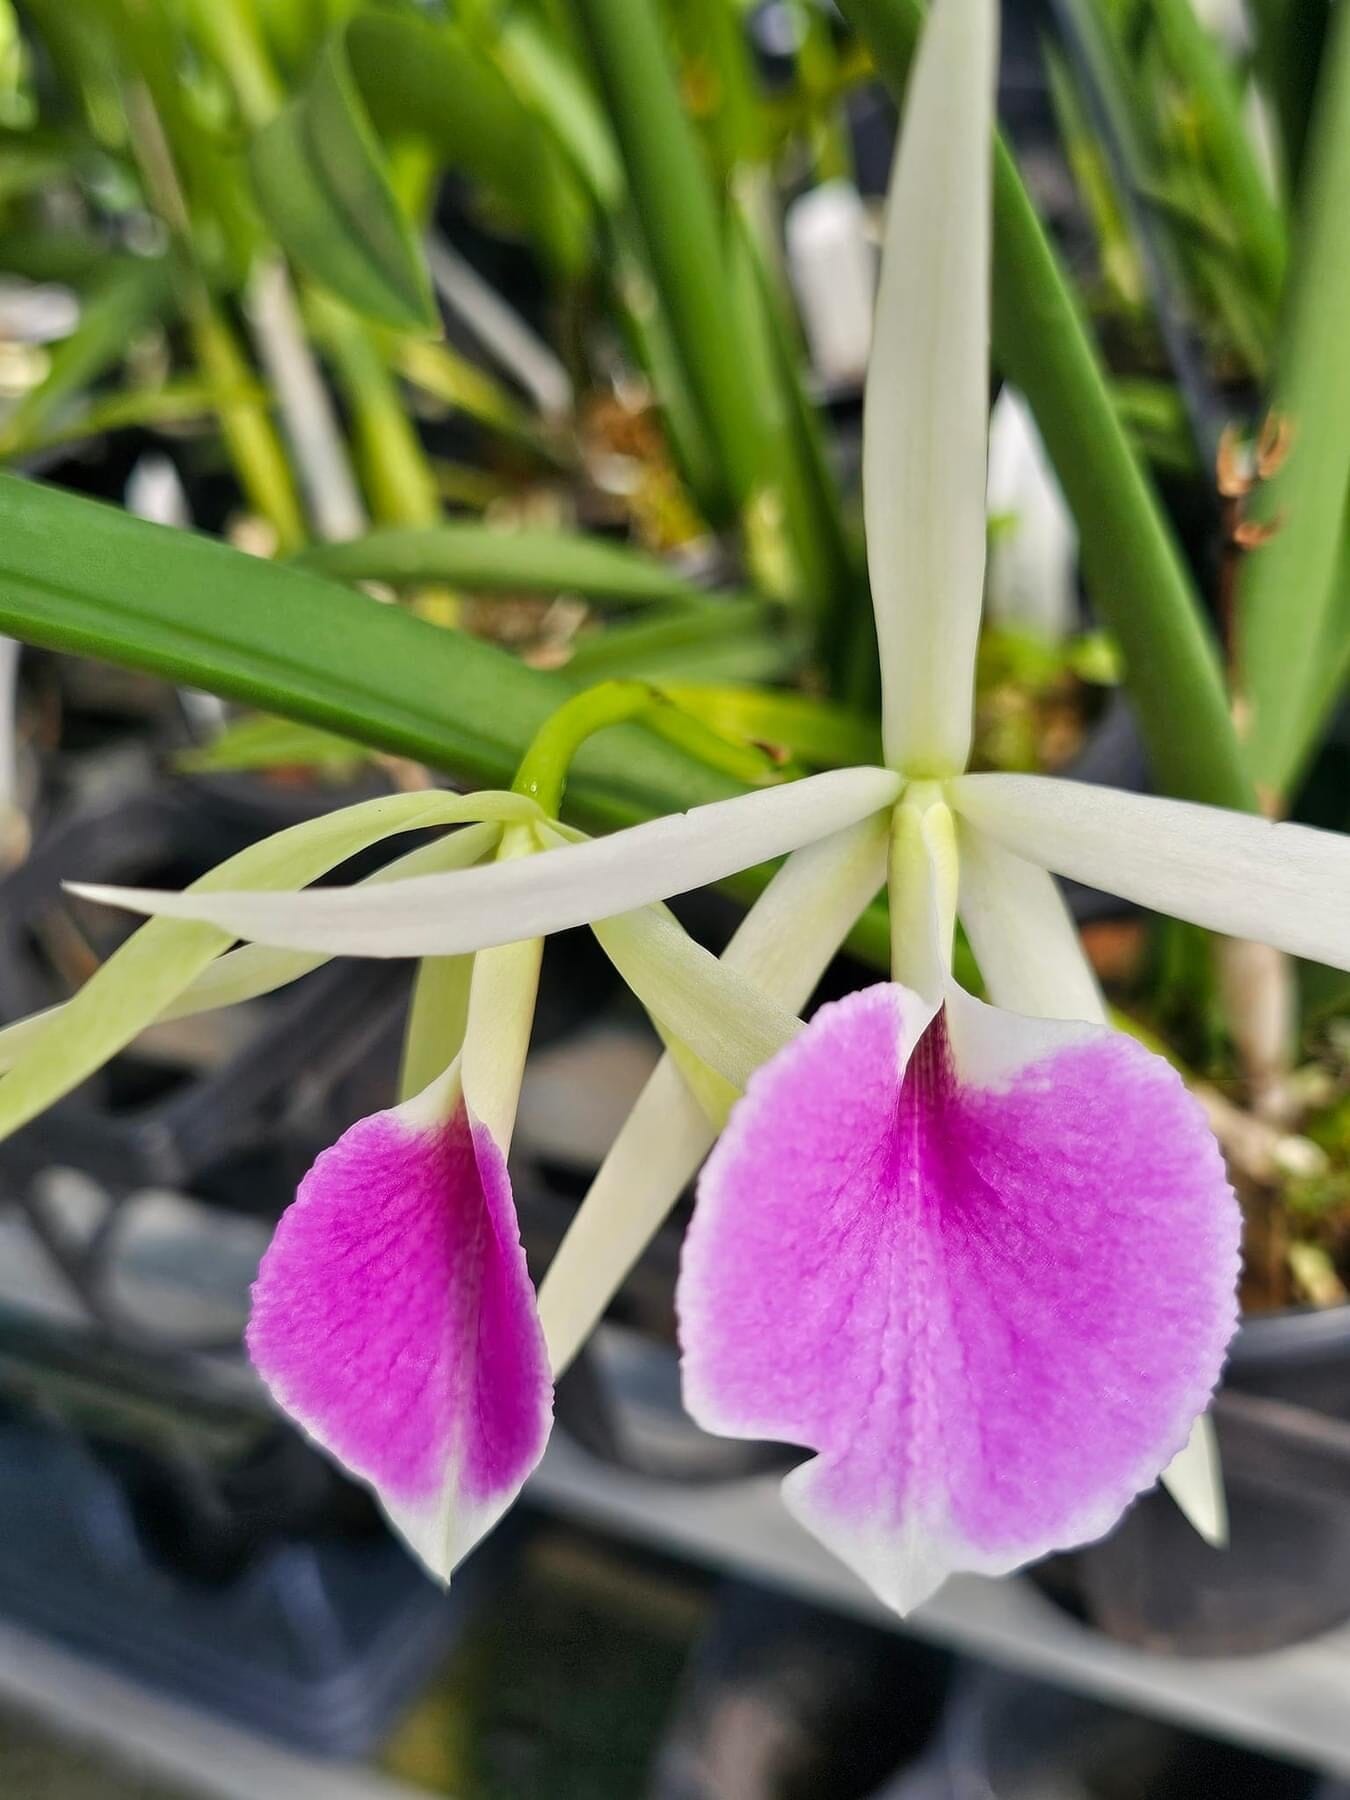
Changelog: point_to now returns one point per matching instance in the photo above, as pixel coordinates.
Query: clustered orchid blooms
(979, 1258)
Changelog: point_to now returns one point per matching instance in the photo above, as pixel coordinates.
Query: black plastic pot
(1005, 1737)
(320, 1638)
(784, 1699)
(1283, 1421)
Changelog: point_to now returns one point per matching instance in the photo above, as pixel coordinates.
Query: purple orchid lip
(394, 1319)
(984, 1265)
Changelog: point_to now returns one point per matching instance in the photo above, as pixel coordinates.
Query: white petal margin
(1285, 885)
(926, 417)
(784, 944)
(447, 915)
(1033, 962)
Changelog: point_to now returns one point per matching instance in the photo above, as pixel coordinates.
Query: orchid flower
(393, 1315)
(980, 1259)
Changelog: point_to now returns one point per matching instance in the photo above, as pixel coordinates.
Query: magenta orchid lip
(955, 1219)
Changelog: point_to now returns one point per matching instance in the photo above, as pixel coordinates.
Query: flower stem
(544, 768)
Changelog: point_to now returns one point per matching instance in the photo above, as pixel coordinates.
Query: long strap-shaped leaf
(1291, 587)
(82, 577)
(1133, 566)
(491, 560)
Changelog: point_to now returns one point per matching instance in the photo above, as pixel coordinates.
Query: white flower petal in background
(833, 265)
(1032, 580)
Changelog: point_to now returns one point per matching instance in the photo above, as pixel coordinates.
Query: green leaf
(148, 972)
(676, 208)
(321, 180)
(729, 640)
(490, 560)
(814, 731)
(87, 578)
(1289, 587)
(553, 85)
(1215, 98)
(428, 80)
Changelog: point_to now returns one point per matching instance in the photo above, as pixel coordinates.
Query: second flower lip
(393, 1316)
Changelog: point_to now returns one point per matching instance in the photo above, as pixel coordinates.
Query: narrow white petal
(784, 944)
(650, 1164)
(925, 426)
(1024, 940)
(1033, 962)
(1286, 885)
(447, 915)
(725, 1019)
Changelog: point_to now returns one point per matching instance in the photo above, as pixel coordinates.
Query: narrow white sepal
(728, 1021)
(502, 993)
(510, 901)
(1285, 885)
(926, 418)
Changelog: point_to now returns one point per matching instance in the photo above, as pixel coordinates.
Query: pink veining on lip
(393, 1316)
(993, 1307)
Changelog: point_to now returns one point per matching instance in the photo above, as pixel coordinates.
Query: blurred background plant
(517, 345)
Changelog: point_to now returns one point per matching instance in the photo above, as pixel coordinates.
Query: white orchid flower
(980, 1259)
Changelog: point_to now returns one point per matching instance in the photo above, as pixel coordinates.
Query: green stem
(1132, 563)
(542, 774)
(543, 770)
